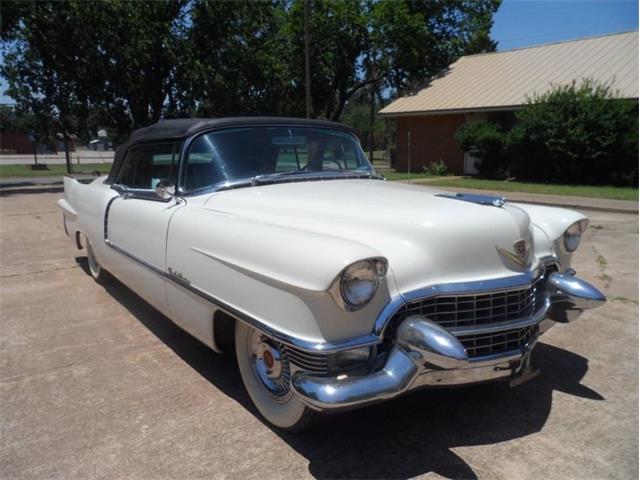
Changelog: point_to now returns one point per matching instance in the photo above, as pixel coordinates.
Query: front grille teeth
(477, 310)
(470, 310)
(483, 344)
(312, 362)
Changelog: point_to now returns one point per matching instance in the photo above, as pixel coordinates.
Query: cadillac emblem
(520, 253)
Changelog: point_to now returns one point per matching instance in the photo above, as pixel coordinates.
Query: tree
(45, 66)
(413, 40)
(339, 33)
(578, 133)
(488, 143)
(140, 61)
(571, 134)
(123, 63)
(237, 61)
(140, 49)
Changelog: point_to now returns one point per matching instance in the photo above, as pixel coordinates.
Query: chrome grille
(476, 310)
(470, 310)
(311, 362)
(482, 344)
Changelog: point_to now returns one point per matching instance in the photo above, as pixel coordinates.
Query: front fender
(276, 274)
(548, 225)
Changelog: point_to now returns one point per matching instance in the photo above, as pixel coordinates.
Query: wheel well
(224, 326)
(79, 240)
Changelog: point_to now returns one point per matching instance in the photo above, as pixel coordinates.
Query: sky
(521, 23)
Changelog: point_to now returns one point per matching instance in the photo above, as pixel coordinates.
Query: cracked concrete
(94, 383)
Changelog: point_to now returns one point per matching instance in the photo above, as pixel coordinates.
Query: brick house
(492, 86)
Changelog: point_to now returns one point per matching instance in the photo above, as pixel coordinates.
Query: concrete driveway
(94, 383)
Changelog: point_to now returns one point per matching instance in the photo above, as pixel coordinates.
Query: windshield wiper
(267, 178)
(315, 174)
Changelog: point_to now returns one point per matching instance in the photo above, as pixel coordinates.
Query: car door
(136, 221)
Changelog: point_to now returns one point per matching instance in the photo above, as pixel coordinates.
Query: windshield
(255, 152)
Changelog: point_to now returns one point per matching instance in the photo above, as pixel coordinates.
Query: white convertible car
(337, 288)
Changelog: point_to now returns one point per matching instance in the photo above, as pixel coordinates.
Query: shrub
(577, 134)
(436, 169)
(487, 142)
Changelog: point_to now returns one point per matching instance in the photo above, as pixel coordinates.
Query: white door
(137, 221)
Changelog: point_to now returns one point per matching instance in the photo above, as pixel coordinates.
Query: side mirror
(165, 190)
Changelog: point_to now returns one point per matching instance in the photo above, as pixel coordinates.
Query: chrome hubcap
(270, 366)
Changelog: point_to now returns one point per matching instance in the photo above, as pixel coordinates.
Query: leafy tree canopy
(127, 64)
(571, 134)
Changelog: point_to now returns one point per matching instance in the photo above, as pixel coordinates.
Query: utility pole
(307, 59)
(409, 156)
(372, 111)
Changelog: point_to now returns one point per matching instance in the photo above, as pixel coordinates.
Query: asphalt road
(94, 383)
(79, 156)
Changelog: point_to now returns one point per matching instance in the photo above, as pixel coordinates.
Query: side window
(202, 165)
(146, 165)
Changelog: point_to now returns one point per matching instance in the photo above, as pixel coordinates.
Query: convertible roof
(185, 127)
(179, 128)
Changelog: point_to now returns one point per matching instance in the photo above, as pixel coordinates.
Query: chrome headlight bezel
(573, 235)
(369, 272)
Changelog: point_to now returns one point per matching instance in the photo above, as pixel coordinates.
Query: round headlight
(359, 283)
(573, 235)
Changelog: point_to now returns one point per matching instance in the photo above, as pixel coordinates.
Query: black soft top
(181, 128)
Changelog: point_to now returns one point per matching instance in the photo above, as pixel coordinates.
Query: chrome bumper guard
(425, 354)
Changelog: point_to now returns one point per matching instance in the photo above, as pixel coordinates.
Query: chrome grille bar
(487, 323)
(469, 310)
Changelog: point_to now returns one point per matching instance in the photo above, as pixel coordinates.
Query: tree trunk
(307, 60)
(65, 137)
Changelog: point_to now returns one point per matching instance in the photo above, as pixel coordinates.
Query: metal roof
(503, 80)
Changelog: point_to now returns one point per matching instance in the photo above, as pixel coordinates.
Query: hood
(427, 239)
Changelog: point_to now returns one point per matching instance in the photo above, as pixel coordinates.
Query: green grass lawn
(403, 176)
(617, 193)
(8, 171)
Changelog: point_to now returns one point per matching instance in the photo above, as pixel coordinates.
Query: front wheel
(266, 374)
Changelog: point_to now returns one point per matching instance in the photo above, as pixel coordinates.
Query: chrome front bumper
(425, 355)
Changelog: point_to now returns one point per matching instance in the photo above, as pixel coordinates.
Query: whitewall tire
(266, 376)
(98, 273)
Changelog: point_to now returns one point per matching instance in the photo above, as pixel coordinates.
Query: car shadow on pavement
(403, 438)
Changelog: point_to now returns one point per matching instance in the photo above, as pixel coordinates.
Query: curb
(571, 202)
(579, 207)
(27, 190)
